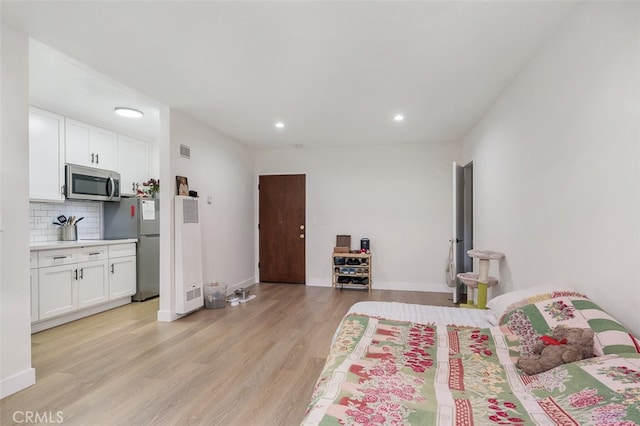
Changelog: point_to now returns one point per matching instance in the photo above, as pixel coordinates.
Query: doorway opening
(462, 238)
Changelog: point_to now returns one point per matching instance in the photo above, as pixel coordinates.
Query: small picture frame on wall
(182, 185)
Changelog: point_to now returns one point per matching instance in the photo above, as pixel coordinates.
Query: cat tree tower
(481, 281)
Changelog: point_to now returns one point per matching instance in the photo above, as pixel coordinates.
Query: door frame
(466, 211)
(467, 171)
(256, 220)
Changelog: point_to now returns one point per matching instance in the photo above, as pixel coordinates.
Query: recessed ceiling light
(398, 117)
(280, 125)
(128, 112)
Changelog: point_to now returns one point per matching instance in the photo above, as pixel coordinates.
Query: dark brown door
(282, 228)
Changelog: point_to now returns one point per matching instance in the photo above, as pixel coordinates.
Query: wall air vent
(185, 151)
(190, 211)
(196, 293)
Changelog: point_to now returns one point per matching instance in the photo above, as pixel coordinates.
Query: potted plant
(153, 187)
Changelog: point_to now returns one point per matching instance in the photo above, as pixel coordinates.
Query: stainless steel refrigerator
(139, 218)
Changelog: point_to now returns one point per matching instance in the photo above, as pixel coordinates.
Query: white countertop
(79, 243)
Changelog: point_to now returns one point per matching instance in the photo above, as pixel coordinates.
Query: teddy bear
(564, 346)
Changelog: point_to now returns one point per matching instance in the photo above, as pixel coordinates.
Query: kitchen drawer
(89, 254)
(57, 257)
(122, 250)
(34, 259)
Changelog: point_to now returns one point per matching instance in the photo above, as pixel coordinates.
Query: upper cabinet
(46, 155)
(91, 146)
(133, 164)
(55, 140)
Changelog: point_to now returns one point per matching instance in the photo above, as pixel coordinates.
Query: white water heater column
(188, 255)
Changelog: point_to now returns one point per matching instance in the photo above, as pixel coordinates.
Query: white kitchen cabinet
(57, 290)
(122, 277)
(93, 284)
(133, 163)
(92, 253)
(57, 257)
(91, 146)
(46, 155)
(122, 270)
(78, 281)
(34, 287)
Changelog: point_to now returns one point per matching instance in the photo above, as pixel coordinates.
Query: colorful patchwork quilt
(387, 372)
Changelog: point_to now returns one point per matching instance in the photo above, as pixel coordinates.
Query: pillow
(531, 320)
(500, 305)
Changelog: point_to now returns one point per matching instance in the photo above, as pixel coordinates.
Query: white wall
(556, 164)
(397, 196)
(15, 318)
(222, 169)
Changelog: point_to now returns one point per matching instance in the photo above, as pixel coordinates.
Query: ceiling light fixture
(128, 112)
(280, 125)
(398, 117)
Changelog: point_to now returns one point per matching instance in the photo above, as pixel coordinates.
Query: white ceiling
(66, 86)
(334, 72)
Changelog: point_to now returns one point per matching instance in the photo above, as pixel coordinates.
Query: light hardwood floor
(254, 364)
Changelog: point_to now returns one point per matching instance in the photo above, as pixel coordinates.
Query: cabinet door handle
(112, 268)
(75, 271)
(94, 253)
(92, 158)
(59, 257)
(97, 158)
(81, 273)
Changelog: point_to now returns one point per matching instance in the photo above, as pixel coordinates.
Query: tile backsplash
(42, 216)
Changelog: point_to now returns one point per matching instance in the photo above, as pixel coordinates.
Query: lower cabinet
(35, 315)
(34, 287)
(70, 280)
(57, 290)
(66, 288)
(93, 285)
(122, 277)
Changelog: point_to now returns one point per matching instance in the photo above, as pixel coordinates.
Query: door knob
(301, 226)
(302, 236)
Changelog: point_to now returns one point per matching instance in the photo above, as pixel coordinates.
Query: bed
(399, 364)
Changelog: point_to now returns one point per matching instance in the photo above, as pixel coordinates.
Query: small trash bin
(215, 296)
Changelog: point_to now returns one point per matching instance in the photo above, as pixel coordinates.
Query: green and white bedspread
(385, 372)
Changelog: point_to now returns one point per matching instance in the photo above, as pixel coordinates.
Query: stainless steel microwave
(87, 183)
